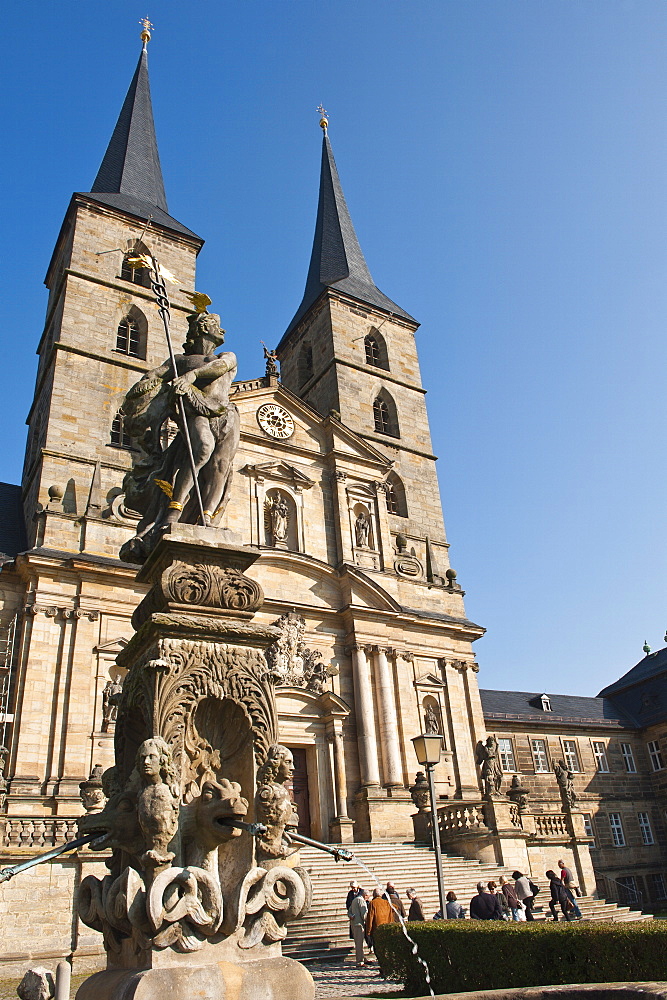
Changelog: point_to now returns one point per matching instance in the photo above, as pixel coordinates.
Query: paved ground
(342, 979)
(332, 979)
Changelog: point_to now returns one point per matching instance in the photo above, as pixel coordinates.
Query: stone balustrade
(551, 825)
(456, 818)
(29, 831)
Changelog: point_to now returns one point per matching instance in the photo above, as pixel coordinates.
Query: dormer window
(545, 701)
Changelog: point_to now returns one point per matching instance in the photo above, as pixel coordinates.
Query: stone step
(405, 865)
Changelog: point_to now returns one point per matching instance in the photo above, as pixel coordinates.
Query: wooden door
(298, 788)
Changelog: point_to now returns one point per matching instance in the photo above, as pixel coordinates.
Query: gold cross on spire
(146, 33)
(324, 118)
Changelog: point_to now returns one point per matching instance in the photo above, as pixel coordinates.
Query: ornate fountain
(203, 877)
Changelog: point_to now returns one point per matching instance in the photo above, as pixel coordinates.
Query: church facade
(334, 484)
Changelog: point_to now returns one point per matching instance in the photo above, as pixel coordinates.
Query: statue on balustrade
(488, 760)
(160, 484)
(565, 779)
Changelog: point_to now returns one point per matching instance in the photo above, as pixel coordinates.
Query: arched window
(384, 414)
(119, 436)
(305, 364)
(128, 338)
(395, 493)
(137, 275)
(376, 350)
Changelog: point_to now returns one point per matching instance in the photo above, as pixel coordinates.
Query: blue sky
(505, 164)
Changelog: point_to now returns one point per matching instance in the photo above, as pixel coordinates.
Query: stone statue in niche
(110, 698)
(278, 511)
(488, 759)
(93, 798)
(291, 663)
(431, 720)
(160, 483)
(565, 779)
(362, 529)
(273, 805)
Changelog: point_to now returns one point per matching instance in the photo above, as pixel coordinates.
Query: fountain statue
(203, 876)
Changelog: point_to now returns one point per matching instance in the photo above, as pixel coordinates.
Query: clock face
(275, 421)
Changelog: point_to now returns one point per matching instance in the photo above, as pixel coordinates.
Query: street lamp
(428, 749)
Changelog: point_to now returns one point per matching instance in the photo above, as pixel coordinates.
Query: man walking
(559, 896)
(569, 886)
(524, 893)
(379, 912)
(357, 914)
(567, 878)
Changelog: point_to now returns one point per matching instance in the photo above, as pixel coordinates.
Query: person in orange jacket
(379, 912)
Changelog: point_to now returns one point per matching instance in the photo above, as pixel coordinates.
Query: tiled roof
(651, 666)
(337, 260)
(526, 706)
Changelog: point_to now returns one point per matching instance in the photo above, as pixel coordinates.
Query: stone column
(363, 710)
(342, 518)
(391, 752)
(339, 775)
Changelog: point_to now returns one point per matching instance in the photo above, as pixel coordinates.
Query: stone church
(334, 483)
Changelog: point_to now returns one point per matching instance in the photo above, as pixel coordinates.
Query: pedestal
(194, 906)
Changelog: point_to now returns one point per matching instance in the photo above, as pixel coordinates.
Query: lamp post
(428, 749)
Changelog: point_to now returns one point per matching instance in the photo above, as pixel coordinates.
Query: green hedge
(478, 954)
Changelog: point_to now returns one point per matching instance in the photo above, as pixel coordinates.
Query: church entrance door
(298, 787)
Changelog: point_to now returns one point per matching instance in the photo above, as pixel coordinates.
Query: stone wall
(36, 915)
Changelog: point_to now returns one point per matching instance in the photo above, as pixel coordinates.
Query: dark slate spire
(130, 177)
(337, 260)
(131, 164)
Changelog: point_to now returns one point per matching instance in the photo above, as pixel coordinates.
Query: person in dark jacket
(416, 911)
(395, 900)
(485, 906)
(559, 896)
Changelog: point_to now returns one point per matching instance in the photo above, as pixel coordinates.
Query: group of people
(515, 902)
(500, 900)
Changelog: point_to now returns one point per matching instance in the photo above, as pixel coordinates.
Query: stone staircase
(324, 932)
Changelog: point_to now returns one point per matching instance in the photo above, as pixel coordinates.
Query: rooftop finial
(146, 33)
(324, 119)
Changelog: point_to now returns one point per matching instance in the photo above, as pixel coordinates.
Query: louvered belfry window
(381, 416)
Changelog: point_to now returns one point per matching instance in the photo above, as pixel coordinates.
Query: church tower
(102, 330)
(350, 350)
(102, 333)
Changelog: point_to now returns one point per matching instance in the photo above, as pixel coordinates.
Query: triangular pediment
(279, 470)
(429, 680)
(113, 646)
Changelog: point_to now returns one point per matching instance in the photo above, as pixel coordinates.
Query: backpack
(533, 888)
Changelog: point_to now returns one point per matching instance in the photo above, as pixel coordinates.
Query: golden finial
(324, 119)
(146, 33)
